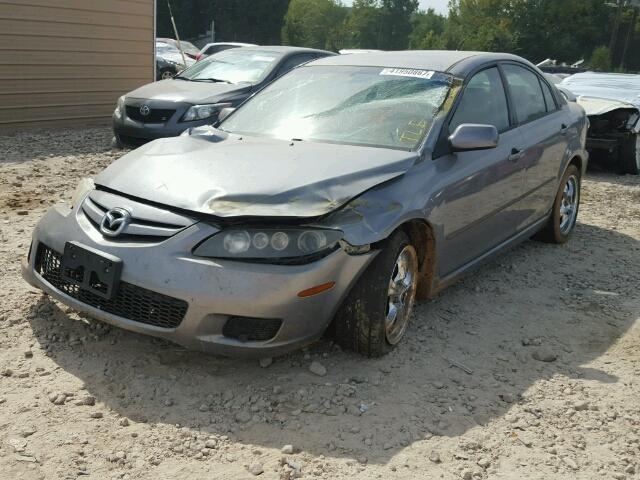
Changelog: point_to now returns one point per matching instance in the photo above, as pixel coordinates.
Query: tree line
(599, 32)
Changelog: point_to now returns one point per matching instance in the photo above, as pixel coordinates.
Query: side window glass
(526, 93)
(483, 101)
(548, 97)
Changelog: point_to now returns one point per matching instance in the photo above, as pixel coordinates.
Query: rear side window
(483, 101)
(548, 98)
(294, 61)
(526, 93)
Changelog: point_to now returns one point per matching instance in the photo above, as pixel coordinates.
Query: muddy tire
(373, 318)
(565, 209)
(629, 158)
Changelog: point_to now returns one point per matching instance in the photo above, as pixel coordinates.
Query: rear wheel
(629, 160)
(565, 209)
(375, 315)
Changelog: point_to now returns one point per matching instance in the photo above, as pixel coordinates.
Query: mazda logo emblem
(114, 222)
(145, 110)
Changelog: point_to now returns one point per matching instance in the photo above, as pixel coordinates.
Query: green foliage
(313, 23)
(235, 20)
(601, 59)
(427, 31)
(564, 30)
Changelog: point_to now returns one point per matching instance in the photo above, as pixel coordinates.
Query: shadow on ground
(468, 357)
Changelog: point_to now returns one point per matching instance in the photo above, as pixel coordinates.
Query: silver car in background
(334, 196)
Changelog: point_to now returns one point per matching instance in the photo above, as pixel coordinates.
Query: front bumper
(132, 131)
(215, 290)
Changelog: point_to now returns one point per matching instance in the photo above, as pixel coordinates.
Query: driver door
(478, 201)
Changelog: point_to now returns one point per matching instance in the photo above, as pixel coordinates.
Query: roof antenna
(175, 31)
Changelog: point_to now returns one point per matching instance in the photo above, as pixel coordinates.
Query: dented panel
(252, 176)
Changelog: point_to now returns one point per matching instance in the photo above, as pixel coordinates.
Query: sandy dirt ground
(528, 368)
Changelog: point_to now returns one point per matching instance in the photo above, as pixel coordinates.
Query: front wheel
(629, 160)
(375, 315)
(167, 74)
(565, 209)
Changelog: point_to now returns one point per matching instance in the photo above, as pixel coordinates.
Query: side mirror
(225, 112)
(472, 136)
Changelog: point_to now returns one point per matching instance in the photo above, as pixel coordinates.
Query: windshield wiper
(212, 80)
(182, 78)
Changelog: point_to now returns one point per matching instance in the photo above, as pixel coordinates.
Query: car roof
(456, 62)
(285, 49)
(238, 44)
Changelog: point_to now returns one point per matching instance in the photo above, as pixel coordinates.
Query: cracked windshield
(372, 106)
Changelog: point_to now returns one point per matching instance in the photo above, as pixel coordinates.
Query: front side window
(483, 102)
(526, 93)
(233, 66)
(372, 106)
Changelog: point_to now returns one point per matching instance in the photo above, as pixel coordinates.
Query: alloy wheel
(569, 204)
(401, 294)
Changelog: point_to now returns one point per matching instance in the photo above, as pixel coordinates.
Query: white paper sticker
(408, 72)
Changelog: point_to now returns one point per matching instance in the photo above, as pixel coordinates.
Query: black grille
(133, 142)
(248, 329)
(130, 302)
(156, 115)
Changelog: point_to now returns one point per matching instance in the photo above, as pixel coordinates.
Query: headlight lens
(200, 112)
(119, 107)
(268, 243)
(85, 185)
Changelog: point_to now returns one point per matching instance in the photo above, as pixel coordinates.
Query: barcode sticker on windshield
(408, 72)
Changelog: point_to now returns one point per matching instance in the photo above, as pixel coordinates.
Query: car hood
(600, 106)
(620, 88)
(186, 91)
(233, 176)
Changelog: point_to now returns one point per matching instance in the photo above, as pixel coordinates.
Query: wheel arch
(422, 237)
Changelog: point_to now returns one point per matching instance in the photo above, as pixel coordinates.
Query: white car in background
(211, 48)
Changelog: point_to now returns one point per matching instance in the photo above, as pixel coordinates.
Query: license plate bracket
(91, 269)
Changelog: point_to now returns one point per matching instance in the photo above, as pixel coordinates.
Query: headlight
(268, 243)
(119, 107)
(200, 112)
(85, 186)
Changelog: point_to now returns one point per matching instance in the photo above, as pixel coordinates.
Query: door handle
(515, 155)
(564, 129)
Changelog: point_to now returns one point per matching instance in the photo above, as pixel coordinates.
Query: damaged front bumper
(221, 306)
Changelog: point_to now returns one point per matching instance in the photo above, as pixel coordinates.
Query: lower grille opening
(130, 302)
(133, 142)
(246, 329)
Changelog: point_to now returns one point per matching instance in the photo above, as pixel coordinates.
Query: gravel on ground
(527, 368)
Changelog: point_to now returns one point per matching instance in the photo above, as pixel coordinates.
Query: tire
(363, 321)
(166, 74)
(563, 219)
(629, 158)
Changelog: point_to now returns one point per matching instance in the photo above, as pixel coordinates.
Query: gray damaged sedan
(332, 198)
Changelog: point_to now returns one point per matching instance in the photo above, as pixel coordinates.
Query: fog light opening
(309, 292)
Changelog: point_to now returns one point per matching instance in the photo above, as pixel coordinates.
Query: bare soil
(528, 368)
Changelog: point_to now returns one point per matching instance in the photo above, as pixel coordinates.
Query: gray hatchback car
(332, 198)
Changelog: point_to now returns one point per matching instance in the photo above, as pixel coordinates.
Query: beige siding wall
(67, 61)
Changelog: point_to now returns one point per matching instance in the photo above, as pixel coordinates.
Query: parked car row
(196, 95)
(327, 196)
(170, 60)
